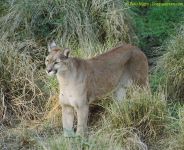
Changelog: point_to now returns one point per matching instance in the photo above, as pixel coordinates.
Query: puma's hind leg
(121, 90)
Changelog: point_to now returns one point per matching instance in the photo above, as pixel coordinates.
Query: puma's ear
(51, 46)
(66, 52)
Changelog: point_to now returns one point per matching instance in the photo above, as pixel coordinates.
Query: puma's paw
(68, 133)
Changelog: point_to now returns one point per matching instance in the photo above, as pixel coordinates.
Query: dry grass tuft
(53, 115)
(145, 113)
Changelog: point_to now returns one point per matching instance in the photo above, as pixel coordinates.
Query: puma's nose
(49, 70)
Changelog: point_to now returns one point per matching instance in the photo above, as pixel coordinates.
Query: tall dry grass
(22, 80)
(74, 23)
(135, 123)
(172, 64)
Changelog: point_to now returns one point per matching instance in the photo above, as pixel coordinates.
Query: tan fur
(82, 81)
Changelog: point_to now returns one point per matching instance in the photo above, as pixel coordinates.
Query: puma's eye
(56, 62)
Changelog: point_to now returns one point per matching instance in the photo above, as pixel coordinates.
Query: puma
(81, 81)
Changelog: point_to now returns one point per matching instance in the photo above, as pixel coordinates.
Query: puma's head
(57, 60)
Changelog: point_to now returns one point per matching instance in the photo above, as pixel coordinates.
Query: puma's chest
(73, 95)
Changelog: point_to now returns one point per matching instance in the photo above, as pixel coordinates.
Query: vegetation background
(30, 116)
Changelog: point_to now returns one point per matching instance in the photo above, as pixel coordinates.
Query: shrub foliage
(173, 65)
(74, 22)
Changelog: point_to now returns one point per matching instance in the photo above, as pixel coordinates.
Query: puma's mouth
(51, 72)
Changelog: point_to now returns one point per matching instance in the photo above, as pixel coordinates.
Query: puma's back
(118, 67)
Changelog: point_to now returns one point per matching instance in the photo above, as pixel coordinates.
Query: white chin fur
(52, 73)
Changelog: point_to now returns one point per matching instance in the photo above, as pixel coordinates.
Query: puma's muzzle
(51, 71)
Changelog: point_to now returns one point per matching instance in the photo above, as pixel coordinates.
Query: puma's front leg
(68, 119)
(82, 118)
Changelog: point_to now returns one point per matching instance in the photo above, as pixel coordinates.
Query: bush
(154, 24)
(73, 22)
(173, 65)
